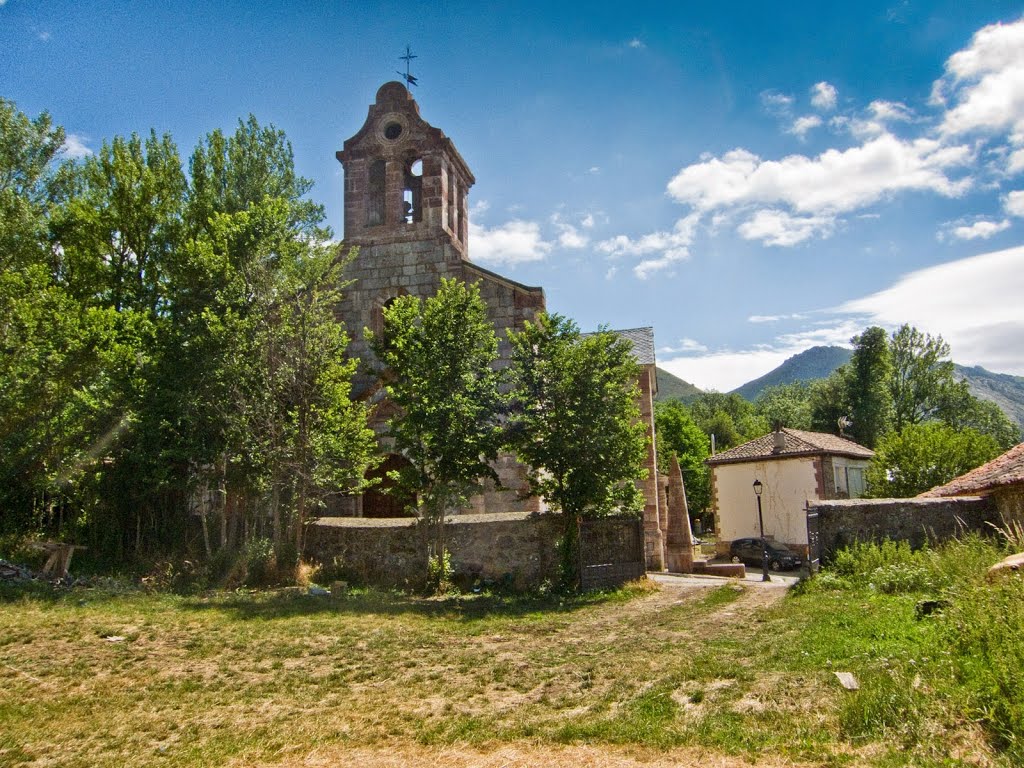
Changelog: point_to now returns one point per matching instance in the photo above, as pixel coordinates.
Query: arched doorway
(385, 499)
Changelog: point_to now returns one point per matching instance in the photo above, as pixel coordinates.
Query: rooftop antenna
(410, 79)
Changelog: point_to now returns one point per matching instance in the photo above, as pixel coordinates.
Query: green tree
(829, 402)
(576, 423)
(438, 357)
(922, 456)
(729, 417)
(785, 404)
(678, 433)
(868, 392)
(920, 377)
(960, 409)
(52, 381)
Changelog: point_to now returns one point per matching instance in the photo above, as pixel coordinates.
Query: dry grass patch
(645, 676)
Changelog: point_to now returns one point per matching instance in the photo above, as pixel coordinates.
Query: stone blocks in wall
(917, 521)
(517, 549)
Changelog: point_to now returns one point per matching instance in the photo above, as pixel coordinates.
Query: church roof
(797, 442)
(642, 340)
(1002, 471)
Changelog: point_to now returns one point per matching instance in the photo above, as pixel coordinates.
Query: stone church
(406, 190)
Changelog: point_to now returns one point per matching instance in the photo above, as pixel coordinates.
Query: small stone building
(1000, 480)
(795, 467)
(406, 192)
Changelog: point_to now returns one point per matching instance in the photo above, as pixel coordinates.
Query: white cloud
(891, 111)
(514, 242)
(985, 82)
(804, 124)
(1015, 162)
(684, 345)
(672, 246)
(775, 318)
(981, 229)
(833, 182)
(594, 170)
(569, 234)
(775, 102)
(1013, 203)
(775, 227)
(74, 146)
(974, 303)
(636, 43)
(823, 95)
(724, 371)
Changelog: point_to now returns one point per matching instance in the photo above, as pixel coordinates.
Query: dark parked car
(780, 557)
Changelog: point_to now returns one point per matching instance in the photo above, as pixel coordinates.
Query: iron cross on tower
(410, 79)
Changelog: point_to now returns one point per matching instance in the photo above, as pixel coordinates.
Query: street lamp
(758, 487)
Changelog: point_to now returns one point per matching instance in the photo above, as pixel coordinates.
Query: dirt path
(616, 621)
(527, 756)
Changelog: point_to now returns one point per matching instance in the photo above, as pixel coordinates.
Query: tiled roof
(797, 443)
(1004, 470)
(642, 340)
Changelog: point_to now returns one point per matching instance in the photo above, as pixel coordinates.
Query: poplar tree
(437, 357)
(576, 423)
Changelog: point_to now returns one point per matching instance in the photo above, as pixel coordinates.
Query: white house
(794, 467)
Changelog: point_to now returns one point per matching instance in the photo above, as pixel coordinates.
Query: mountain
(813, 363)
(673, 388)
(1004, 390)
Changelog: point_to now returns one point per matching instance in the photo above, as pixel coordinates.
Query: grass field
(715, 676)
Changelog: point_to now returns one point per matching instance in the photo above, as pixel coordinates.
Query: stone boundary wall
(519, 549)
(842, 522)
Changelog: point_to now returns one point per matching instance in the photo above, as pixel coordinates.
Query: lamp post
(760, 522)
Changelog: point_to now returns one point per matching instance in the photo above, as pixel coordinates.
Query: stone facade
(406, 214)
(406, 189)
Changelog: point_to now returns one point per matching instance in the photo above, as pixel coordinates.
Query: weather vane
(410, 79)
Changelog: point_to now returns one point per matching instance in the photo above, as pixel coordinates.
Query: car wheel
(776, 565)
(735, 558)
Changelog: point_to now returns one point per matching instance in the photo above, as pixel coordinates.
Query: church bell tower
(404, 179)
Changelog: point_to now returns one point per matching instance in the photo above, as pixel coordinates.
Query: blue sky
(750, 179)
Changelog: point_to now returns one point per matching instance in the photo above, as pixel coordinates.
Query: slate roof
(642, 340)
(1002, 471)
(797, 443)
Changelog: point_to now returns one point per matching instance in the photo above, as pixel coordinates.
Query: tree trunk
(570, 551)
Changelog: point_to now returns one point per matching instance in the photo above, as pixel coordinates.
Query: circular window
(392, 131)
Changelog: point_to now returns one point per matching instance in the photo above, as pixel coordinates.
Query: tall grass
(972, 660)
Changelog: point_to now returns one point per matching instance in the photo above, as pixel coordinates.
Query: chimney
(780, 440)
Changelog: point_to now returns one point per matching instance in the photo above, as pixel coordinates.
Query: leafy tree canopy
(678, 434)
(438, 358)
(922, 456)
(576, 423)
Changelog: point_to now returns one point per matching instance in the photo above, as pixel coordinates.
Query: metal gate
(611, 552)
(813, 541)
